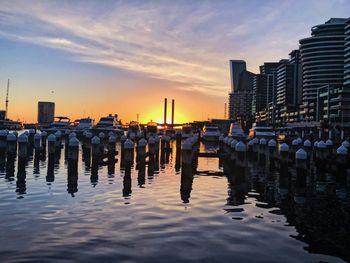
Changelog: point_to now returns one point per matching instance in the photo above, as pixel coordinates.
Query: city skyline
(93, 60)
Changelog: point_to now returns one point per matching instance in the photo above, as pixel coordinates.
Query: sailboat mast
(7, 98)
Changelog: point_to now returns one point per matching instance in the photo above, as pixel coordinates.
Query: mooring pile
(325, 155)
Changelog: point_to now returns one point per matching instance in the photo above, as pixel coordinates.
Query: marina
(140, 192)
(175, 131)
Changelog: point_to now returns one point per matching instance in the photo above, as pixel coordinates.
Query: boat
(107, 125)
(262, 130)
(8, 124)
(61, 124)
(186, 131)
(83, 125)
(210, 133)
(170, 132)
(134, 131)
(160, 132)
(151, 129)
(236, 132)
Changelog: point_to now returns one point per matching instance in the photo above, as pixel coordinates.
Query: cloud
(185, 42)
(126, 37)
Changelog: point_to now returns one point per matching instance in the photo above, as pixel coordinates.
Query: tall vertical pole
(7, 98)
(225, 111)
(165, 108)
(172, 112)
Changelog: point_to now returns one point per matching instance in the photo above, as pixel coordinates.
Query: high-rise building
(259, 98)
(245, 81)
(236, 68)
(347, 54)
(289, 89)
(295, 60)
(46, 112)
(240, 103)
(269, 69)
(241, 90)
(322, 57)
(264, 92)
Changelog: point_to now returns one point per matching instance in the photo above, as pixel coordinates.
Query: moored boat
(107, 125)
(236, 132)
(210, 133)
(83, 125)
(61, 124)
(170, 132)
(186, 131)
(7, 124)
(262, 130)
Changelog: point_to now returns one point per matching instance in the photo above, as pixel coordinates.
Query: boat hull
(210, 138)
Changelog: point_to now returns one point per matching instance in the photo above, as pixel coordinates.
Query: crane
(7, 97)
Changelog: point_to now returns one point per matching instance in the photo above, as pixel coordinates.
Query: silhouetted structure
(46, 112)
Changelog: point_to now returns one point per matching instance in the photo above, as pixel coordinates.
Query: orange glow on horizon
(157, 115)
(146, 102)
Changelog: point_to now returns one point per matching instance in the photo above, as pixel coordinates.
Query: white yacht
(262, 130)
(210, 133)
(108, 124)
(236, 132)
(83, 124)
(7, 124)
(61, 124)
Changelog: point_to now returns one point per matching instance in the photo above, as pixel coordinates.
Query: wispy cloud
(185, 42)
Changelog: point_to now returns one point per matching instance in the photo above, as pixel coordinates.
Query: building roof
(335, 20)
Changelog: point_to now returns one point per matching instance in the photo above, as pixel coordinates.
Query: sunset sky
(98, 57)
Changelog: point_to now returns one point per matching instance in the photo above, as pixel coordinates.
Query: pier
(101, 149)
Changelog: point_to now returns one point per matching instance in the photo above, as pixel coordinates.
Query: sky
(93, 58)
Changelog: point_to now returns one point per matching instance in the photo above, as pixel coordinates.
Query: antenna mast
(7, 98)
(225, 111)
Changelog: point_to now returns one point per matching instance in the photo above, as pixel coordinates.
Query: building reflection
(319, 215)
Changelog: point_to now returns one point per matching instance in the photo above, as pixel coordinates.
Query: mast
(7, 98)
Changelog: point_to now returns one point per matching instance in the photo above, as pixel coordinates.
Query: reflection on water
(112, 209)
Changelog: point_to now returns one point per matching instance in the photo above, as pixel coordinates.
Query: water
(113, 217)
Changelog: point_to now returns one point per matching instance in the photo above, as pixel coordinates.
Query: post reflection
(186, 185)
(127, 181)
(2, 164)
(151, 167)
(21, 176)
(10, 167)
(72, 178)
(50, 176)
(178, 155)
(311, 197)
(94, 172)
(141, 162)
(36, 165)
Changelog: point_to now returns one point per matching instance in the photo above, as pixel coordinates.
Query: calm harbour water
(113, 217)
